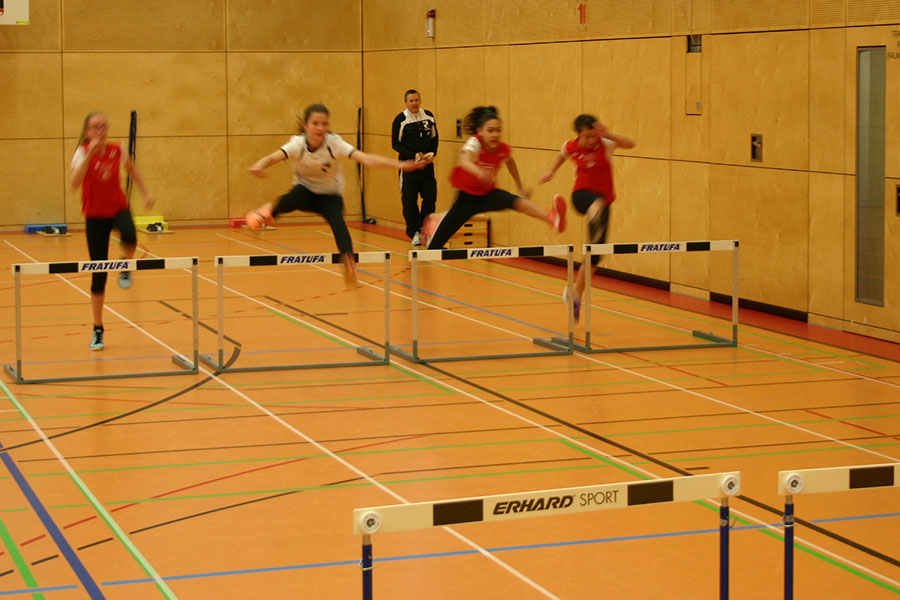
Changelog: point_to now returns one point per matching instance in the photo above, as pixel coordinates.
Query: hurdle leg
(724, 525)
(415, 307)
(588, 284)
(387, 308)
(788, 547)
(366, 566)
(16, 372)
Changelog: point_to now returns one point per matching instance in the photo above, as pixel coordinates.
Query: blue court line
(436, 295)
(55, 588)
(344, 563)
(61, 542)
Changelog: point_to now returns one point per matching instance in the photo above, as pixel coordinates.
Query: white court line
(285, 424)
(747, 516)
(516, 416)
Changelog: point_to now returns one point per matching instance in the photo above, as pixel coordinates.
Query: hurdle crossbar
(107, 266)
(544, 503)
(828, 479)
(293, 260)
(666, 247)
(555, 346)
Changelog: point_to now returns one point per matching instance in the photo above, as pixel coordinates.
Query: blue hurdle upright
(828, 479)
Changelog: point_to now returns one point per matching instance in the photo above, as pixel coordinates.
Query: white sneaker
(417, 239)
(97, 339)
(125, 280)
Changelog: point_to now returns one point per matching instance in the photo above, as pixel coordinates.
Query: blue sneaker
(575, 305)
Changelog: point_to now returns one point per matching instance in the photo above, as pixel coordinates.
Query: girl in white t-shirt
(318, 180)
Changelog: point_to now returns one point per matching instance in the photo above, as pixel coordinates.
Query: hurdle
(545, 503)
(713, 341)
(106, 266)
(555, 346)
(294, 260)
(828, 479)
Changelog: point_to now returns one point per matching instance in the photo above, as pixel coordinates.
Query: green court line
(98, 508)
(309, 328)
(744, 521)
(19, 560)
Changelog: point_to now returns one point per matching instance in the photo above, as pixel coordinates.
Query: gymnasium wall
(785, 69)
(216, 85)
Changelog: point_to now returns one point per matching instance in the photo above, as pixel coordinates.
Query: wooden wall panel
(387, 75)
(268, 91)
(827, 13)
(739, 15)
(545, 81)
(166, 25)
(826, 100)
(640, 214)
(282, 25)
(31, 95)
(690, 16)
(467, 22)
(826, 244)
(541, 21)
(863, 12)
(42, 32)
(759, 83)
(383, 185)
(689, 133)
(173, 93)
(627, 85)
(689, 220)
(767, 210)
(32, 189)
(496, 77)
(626, 18)
(460, 87)
(387, 25)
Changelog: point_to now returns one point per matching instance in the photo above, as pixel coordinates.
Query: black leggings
(464, 208)
(411, 185)
(330, 206)
(98, 231)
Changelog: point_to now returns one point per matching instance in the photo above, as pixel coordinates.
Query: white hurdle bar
(555, 346)
(667, 247)
(298, 260)
(106, 266)
(828, 479)
(545, 503)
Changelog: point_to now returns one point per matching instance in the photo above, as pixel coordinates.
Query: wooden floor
(242, 485)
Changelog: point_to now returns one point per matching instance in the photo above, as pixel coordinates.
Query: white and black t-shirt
(318, 170)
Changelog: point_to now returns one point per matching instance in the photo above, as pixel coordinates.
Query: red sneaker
(260, 218)
(557, 213)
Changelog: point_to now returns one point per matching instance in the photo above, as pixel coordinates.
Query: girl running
(318, 180)
(95, 168)
(594, 191)
(475, 176)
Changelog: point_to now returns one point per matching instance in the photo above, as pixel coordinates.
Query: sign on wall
(14, 12)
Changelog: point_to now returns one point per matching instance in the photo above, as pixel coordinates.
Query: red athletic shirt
(491, 161)
(592, 168)
(101, 192)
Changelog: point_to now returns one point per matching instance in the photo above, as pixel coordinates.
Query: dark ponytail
(583, 122)
(477, 117)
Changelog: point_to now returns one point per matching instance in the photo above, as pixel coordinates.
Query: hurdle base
(188, 369)
(376, 360)
(564, 346)
(719, 340)
(715, 342)
(557, 349)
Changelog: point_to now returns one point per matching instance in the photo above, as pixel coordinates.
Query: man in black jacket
(414, 135)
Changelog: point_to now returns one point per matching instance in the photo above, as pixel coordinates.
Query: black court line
(665, 465)
(234, 356)
(283, 494)
(199, 322)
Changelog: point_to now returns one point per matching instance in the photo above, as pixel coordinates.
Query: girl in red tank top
(475, 177)
(591, 151)
(95, 169)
